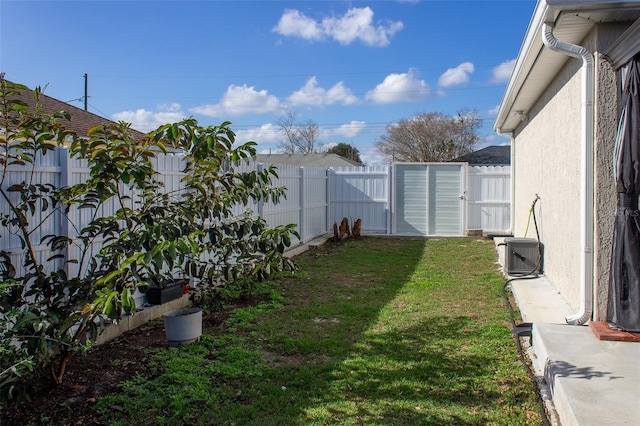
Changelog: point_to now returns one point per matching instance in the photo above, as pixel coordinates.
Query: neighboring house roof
(81, 120)
(307, 160)
(489, 156)
(536, 65)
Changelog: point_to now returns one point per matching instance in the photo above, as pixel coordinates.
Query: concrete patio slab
(539, 301)
(592, 382)
(585, 381)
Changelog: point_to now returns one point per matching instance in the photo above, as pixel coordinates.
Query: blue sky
(353, 67)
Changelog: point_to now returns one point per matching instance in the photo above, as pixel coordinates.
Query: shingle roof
(307, 160)
(489, 156)
(81, 120)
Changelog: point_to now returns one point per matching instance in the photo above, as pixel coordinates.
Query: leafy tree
(430, 137)
(300, 138)
(152, 234)
(347, 151)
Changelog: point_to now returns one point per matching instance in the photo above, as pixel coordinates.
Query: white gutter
(512, 168)
(586, 170)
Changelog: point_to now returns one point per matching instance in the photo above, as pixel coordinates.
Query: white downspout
(586, 171)
(512, 167)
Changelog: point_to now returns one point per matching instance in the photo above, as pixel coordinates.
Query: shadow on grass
(423, 374)
(341, 364)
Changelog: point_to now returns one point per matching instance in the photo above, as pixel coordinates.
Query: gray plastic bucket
(183, 326)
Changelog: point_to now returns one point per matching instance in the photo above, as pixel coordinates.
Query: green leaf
(172, 251)
(128, 303)
(112, 276)
(55, 256)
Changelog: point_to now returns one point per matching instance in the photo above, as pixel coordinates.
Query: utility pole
(86, 90)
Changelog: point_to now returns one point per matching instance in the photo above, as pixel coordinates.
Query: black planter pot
(166, 292)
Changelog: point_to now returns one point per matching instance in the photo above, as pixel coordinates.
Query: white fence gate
(429, 199)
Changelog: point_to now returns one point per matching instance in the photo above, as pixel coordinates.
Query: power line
(363, 127)
(313, 96)
(307, 74)
(101, 112)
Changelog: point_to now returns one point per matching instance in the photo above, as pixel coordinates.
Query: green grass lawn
(377, 331)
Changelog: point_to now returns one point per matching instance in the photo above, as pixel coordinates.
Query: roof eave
(512, 109)
(531, 46)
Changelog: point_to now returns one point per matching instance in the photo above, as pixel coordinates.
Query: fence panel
(288, 209)
(313, 221)
(360, 193)
(489, 198)
(48, 171)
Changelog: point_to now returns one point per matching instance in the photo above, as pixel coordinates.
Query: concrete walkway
(588, 381)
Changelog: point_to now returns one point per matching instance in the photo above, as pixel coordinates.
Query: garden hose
(532, 213)
(514, 326)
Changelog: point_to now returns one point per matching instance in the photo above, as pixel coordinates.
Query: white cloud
(325, 147)
(311, 94)
(493, 111)
(396, 88)
(267, 134)
(457, 75)
(293, 23)
(351, 129)
(371, 157)
(239, 100)
(145, 121)
(355, 24)
(491, 139)
(502, 72)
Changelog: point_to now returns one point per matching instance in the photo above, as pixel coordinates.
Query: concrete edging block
(141, 317)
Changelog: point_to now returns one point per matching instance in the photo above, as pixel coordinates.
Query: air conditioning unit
(523, 256)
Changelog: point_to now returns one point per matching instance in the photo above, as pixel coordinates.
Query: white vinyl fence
(488, 198)
(316, 199)
(360, 193)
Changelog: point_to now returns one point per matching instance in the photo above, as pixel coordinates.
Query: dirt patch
(88, 377)
(95, 375)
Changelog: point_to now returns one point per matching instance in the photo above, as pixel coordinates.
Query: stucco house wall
(547, 157)
(606, 120)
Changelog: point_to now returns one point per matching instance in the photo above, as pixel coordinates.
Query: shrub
(47, 316)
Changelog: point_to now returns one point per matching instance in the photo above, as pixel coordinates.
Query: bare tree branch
(300, 138)
(430, 137)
